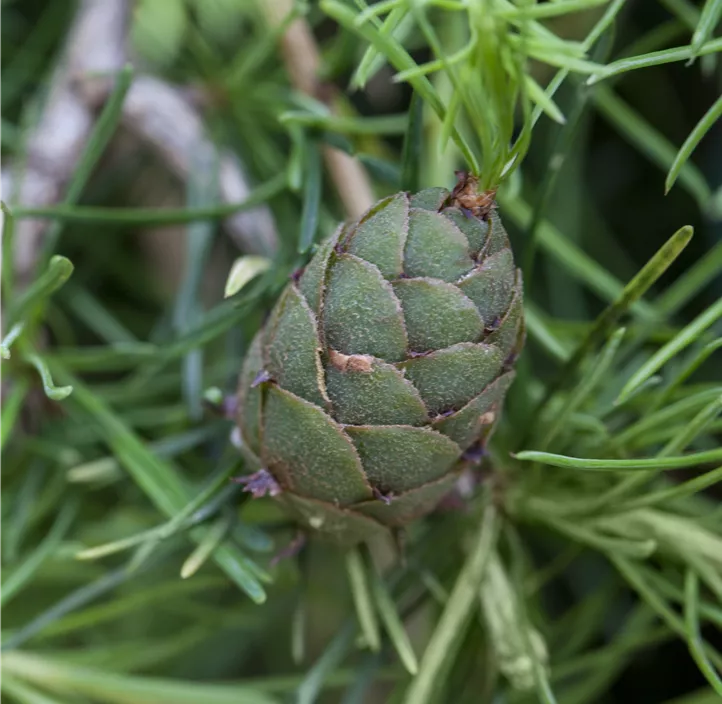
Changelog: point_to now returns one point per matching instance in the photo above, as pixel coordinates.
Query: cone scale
(383, 368)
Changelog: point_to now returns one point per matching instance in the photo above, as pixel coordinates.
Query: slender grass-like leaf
(541, 332)
(612, 465)
(249, 63)
(505, 608)
(692, 281)
(24, 504)
(449, 631)
(666, 416)
(641, 283)
(694, 138)
(95, 145)
(96, 316)
(597, 31)
(206, 546)
(24, 694)
(683, 339)
(547, 10)
(141, 654)
(685, 11)
(694, 428)
(8, 251)
(56, 393)
(576, 262)
(596, 680)
(379, 8)
(201, 190)
(657, 602)
(620, 650)
(645, 590)
(544, 101)
(434, 66)
(710, 612)
(358, 581)
(367, 675)
(654, 58)
(115, 357)
(707, 571)
(152, 534)
(12, 335)
(634, 549)
(709, 19)
(163, 486)
(398, 23)
(348, 126)
(381, 169)
(393, 623)
(558, 152)
(453, 110)
(192, 513)
(650, 142)
(156, 216)
(694, 636)
(662, 435)
(659, 37)
(112, 688)
(585, 387)
(312, 684)
(557, 58)
(413, 139)
(294, 167)
(703, 695)
(298, 631)
(630, 295)
(437, 590)
(59, 270)
(213, 324)
(24, 572)
(692, 486)
(401, 60)
(124, 605)
(312, 184)
(102, 132)
(108, 469)
(714, 210)
(27, 61)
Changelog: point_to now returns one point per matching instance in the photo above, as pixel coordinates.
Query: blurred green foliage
(133, 569)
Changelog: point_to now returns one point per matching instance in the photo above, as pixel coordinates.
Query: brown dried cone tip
(382, 370)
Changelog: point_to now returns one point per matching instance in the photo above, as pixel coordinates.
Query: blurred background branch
(155, 112)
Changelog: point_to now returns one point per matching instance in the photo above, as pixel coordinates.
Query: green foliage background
(589, 566)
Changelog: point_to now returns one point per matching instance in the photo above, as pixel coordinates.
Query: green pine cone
(384, 367)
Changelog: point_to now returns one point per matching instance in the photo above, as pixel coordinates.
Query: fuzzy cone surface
(381, 371)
